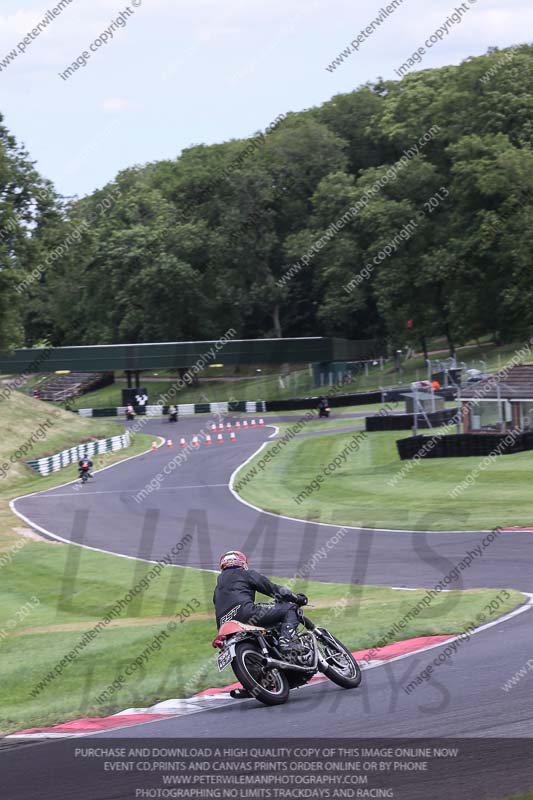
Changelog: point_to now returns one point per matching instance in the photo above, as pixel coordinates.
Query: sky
(174, 73)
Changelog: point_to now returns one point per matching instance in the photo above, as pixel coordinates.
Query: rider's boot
(240, 694)
(288, 643)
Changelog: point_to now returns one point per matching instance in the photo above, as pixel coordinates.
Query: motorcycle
(173, 416)
(84, 475)
(323, 411)
(130, 416)
(267, 674)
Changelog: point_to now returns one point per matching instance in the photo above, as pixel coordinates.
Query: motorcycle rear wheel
(269, 686)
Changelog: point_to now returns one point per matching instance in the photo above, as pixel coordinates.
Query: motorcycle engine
(307, 641)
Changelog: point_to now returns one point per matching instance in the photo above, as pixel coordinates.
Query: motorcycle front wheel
(269, 686)
(342, 668)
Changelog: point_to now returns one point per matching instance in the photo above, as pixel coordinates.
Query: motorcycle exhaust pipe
(273, 662)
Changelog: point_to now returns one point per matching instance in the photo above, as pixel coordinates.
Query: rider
(323, 405)
(85, 465)
(234, 599)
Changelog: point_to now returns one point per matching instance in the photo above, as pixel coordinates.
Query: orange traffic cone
(261, 421)
(154, 446)
(213, 427)
(245, 423)
(232, 437)
(221, 426)
(228, 426)
(183, 443)
(237, 424)
(195, 442)
(169, 443)
(220, 438)
(252, 423)
(207, 439)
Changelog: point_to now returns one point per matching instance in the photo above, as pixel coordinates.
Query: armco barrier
(458, 445)
(405, 422)
(300, 404)
(183, 408)
(355, 399)
(71, 456)
(258, 406)
(250, 406)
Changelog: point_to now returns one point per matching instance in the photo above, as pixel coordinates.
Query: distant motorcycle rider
(85, 465)
(234, 599)
(323, 407)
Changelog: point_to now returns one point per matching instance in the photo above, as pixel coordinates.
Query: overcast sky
(182, 72)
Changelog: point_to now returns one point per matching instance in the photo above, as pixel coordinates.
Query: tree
(25, 202)
(245, 233)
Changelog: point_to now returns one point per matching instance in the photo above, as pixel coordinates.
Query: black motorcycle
(323, 407)
(173, 416)
(84, 475)
(268, 675)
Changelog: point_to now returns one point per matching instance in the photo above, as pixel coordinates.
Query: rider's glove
(302, 599)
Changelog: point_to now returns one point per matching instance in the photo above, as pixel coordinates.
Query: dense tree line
(185, 249)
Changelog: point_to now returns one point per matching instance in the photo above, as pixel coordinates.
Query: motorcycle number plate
(224, 659)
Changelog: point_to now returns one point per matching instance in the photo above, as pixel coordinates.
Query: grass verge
(362, 489)
(41, 429)
(72, 602)
(20, 417)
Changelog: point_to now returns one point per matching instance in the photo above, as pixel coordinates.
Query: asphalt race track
(464, 697)
(195, 498)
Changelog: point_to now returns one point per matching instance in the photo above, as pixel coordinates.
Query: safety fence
(48, 464)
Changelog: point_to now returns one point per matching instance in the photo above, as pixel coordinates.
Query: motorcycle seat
(228, 628)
